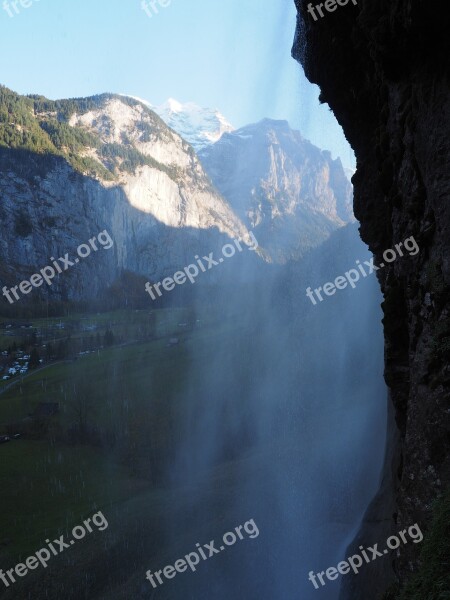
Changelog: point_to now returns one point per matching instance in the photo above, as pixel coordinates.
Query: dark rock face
(382, 66)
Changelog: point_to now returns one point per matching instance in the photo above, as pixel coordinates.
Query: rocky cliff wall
(382, 66)
(48, 209)
(148, 190)
(290, 193)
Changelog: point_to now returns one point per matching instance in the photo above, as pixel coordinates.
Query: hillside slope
(72, 168)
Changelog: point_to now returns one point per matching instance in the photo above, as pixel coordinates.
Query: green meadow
(131, 395)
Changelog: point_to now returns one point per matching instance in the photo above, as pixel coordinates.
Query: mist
(231, 403)
(285, 423)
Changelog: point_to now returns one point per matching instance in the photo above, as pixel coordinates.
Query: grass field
(184, 463)
(45, 488)
(135, 391)
(140, 371)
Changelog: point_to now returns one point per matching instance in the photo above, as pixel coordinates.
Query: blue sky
(232, 55)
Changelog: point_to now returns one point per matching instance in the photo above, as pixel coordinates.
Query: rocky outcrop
(288, 191)
(109, 163)
(383, 69)
(72, 168)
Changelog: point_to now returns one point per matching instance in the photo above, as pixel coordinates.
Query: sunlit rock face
(177, 193)
(110, 162)
(382, 67)
(115, 166)
(291, 193)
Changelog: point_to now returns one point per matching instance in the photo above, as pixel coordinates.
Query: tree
(61, 349)
(50, 351)
(34, 358)
(109, 338)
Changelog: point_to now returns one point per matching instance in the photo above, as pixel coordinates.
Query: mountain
(289, 192)
(198, 126)
(72, 168)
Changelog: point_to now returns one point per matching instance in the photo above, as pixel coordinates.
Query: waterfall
(285, 424)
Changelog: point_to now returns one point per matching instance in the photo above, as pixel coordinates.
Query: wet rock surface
(383, 69)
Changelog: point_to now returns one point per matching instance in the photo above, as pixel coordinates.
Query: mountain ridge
(72, 168)
(289, 192)
(111, 160)
(197, 125)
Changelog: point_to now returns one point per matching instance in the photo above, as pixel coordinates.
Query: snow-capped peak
(198, 126)
(171, 105)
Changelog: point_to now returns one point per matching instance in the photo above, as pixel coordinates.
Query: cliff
(288, 191)
(383, 69)
(72, 168)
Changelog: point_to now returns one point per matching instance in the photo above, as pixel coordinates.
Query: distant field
(44, 487)
(139, 388)
(151, 397)
(88, 331)
(138, 372)
(122, 322)
(8, 340)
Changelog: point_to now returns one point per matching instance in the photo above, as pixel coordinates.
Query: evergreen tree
(109, 338)
(61, 349)
(34, 358)
(50, 351)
